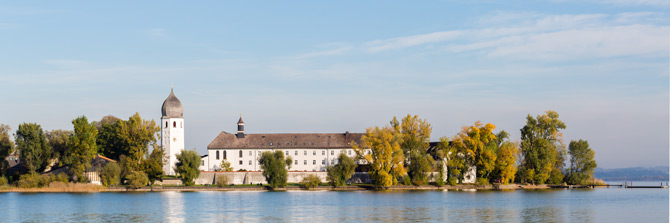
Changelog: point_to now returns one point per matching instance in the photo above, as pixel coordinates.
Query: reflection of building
(172, 131)
(309, 151)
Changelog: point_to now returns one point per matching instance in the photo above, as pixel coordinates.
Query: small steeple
(240, 127)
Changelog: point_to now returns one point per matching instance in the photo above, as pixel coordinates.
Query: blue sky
(309, 66)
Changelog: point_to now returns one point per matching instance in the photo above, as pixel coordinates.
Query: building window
(334, 161)
(305, 162)
(313, 162)
(240, 162)
(323, 162)
(305, 152)
(323, 152)
(332, 152)
(270, 143)
(296, 152)
(240, 154)
(202, 163)
(174, 124)
(349, 152)
(314, 152)
(217, 155)
(250, 153)
(296, 162)
(166, 124)
(224, 155)
(249, 162)
(286, 153)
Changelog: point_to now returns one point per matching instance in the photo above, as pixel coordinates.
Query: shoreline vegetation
(90, 188)
(395, 156)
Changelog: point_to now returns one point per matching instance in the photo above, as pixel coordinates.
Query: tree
(582, 162)
(59, 141)
(342, 171)
(6, 148)
(476, 146)
(110, 174)
(84, 146)
(310, 181)
(187, 165)
(541, 143)
(415, 138)
(131, 138)
(225, 166)
(33, 147)
(274, 168)
(386, 157)
(153, 165)
(506, 162)
(137, 179)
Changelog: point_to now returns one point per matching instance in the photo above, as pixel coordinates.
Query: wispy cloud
(410, 41)
(330, 52)
(546, 37)
(65, 63)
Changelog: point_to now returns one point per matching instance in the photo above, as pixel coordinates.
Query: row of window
(323, 152)
(323, 162)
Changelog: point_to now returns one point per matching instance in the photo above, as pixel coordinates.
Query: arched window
(224, 155)
(240, 153)
(166, 124)
(217, 155)
(174, 124)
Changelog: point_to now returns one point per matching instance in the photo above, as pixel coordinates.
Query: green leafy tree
(34, 149)
(59, 141)
(131, 138)
(386, 157)
(137, 179)
(153, 165)
(110, 174)
(582, 162)
(310, 181)
(187, 165)
(415, 138)
(84, 147)
(339, 173)
(541, 147)
(6, 148)
(274, 168)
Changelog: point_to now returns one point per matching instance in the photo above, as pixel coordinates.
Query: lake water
(577, 205)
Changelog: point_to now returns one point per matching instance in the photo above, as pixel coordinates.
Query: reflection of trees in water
(542, 214)
(581, 214)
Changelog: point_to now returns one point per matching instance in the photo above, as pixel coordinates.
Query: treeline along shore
(124, 155)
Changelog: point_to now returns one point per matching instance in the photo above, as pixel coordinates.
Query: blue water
(577, 205)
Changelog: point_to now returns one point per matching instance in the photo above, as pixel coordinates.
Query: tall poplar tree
(83, 147)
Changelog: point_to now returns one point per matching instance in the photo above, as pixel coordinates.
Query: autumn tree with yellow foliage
(472, 145)
(386, 157)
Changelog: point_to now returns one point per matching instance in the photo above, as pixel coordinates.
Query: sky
(329, 67)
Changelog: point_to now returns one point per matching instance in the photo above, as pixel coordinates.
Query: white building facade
(309, 151)
(172, 131)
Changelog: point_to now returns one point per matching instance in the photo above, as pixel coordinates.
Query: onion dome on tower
(172, 107)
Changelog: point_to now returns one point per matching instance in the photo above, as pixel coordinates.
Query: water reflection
(599, 205)
(173, 206)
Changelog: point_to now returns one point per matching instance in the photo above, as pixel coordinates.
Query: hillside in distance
(658, 173)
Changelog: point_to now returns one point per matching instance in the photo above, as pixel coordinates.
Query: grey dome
(172, 107)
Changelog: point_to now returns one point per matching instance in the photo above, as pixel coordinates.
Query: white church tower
(172, 131)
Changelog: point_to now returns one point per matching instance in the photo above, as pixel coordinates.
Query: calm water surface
(579, 205)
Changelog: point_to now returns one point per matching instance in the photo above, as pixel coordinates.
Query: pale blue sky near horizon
(311, 66)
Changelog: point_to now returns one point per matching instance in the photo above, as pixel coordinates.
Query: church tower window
(174, 124)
